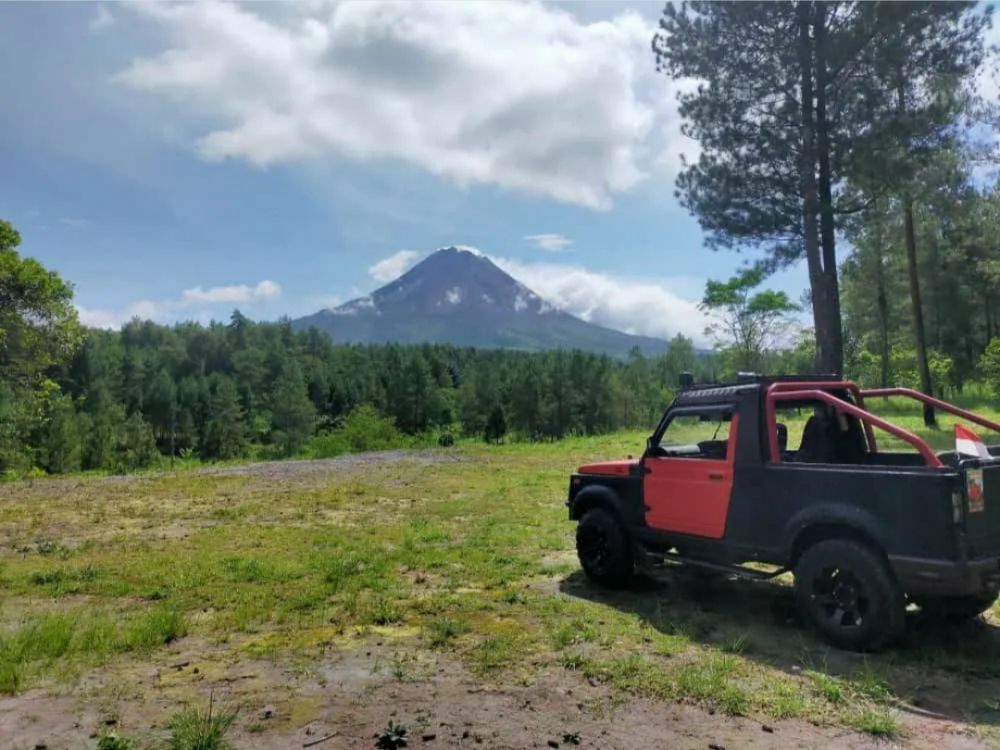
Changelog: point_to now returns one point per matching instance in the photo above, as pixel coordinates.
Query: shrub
(364, 429)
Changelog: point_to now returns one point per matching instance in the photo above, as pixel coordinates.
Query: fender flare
(818, 522)
(597, 496)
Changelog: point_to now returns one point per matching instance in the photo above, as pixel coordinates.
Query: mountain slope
(459, 297)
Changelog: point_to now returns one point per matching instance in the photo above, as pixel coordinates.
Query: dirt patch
(351, 696)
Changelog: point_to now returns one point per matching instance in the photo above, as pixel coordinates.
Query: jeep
(865, 531)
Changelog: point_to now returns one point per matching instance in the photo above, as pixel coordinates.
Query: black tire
(955, 609)
(847, 591)
(603, 548)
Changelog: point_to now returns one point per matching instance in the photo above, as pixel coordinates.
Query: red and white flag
(969, 443)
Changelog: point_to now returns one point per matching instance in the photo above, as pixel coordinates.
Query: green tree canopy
(38, 323)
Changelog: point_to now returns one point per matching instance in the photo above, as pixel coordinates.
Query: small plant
(571, 738)
(514, 596)
(881, 723)
(393, 736)
(736, 645)
(829, 687)
(114, 741)
(401, 666)
(194, 729)
(443, 629)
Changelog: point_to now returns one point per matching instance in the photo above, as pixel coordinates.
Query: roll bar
(847, 385)
(935, 402)
(808, 391)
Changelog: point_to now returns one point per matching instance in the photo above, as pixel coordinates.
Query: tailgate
(982, 507)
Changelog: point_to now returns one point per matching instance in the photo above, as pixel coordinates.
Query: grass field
(127, 599)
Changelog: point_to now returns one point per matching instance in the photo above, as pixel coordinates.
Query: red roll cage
(819, 391)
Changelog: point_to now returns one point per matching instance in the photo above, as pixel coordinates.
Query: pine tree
(293, 416)
(62, 446)
(496, 425)
(136, 447)
(526, 399)
(225, 434)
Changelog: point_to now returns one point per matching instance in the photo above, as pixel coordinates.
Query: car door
(688, 476)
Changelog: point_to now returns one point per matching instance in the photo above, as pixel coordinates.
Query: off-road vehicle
(866, 531)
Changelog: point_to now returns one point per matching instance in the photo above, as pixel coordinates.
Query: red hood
(613, 468)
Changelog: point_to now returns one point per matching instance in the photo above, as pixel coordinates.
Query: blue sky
(176, 162)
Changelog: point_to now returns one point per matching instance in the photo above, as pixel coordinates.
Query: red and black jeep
(865, 531)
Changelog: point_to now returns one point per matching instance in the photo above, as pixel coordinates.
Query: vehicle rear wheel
(604, 549)
(849, 593)
(955, 609)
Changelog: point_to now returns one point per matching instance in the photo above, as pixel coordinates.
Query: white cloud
(639, 306)
(551, 242)
(265, 290)
(193, 304)
(73, 222)
(517, 94)
(102, 19)
(454, 295)
(328, 301)
(391, 268)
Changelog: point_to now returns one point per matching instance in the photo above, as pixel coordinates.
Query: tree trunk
(833, 357)
(882, 300)
(918, 318)
(809, 192)
(910, 239)
(989, 317)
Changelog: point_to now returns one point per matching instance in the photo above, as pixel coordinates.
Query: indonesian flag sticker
(968, 443)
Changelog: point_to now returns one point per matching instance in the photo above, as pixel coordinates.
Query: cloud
(553, 243)
(523, 96)
(638, 306)
(265, 290)
(102, 20)
(391, 268)
(73, 222)
(193, 304)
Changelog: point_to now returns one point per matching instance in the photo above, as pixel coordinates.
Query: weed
(338, 571)
(382, 611)
(495, 652)
(870, 683)
(442, 630)
(162, 625)
(514, 596)
(829, 687)
(194, 729)
(401, 666)
(736, 645)
(115, 741)
(878, 722)
(392, 737)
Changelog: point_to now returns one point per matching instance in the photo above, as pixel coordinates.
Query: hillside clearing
(438, 589)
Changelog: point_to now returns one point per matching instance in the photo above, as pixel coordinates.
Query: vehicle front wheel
(849, 593)
(956, 609)
(604, 549)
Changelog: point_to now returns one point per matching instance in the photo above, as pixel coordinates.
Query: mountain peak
(458, 295)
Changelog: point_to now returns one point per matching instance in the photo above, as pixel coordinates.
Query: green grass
(193, 728)
(65, 641)
(878, 722)
(469, 559)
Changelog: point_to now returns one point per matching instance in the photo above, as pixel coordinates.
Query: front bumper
(919, 575)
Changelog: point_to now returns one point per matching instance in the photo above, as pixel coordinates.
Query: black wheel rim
(839, 599)
(594, 548)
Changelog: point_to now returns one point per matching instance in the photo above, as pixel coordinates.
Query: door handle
(716, 476)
